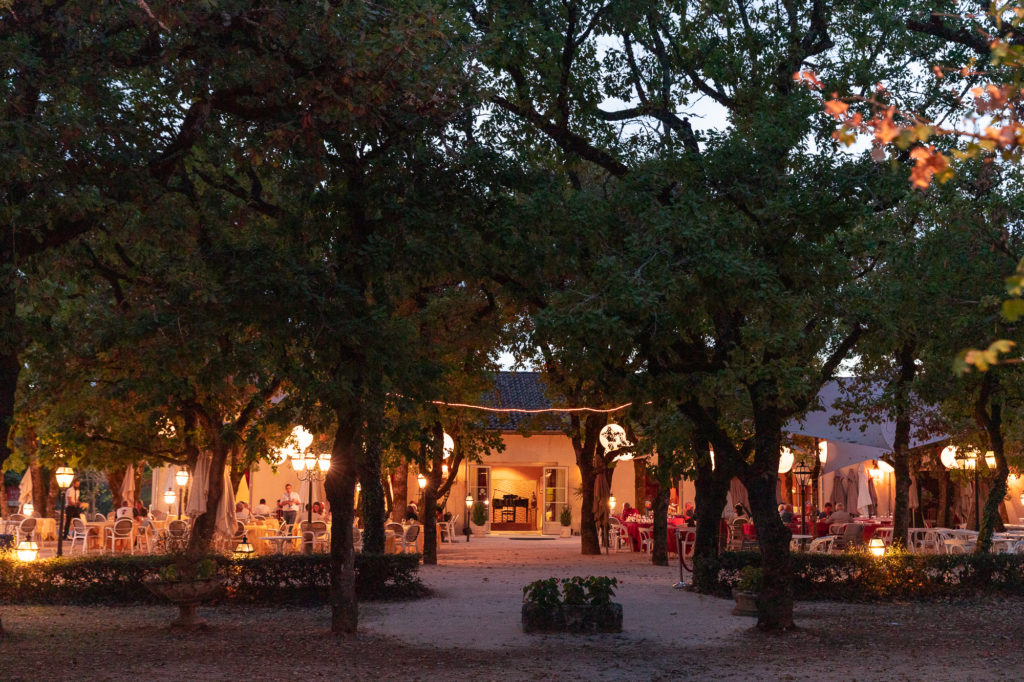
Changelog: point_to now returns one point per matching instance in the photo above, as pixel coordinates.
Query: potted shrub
(542, 607)
(745, 591)
(478, 517)
(588, 605)
(187, 583)
(566, 520)
(584, 605)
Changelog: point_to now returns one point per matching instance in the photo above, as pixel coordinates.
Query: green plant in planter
(543, 593)
(600, 590)
(566, 516)
(750, 579)
(479, 514)
(574, 591)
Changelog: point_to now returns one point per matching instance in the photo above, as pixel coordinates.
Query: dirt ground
(469, 629)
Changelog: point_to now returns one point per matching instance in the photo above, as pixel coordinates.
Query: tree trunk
(659, 553)
(942, 513)
(711, 489)
(40, 487)
(400, 487)
(639, 482)
(585, 445)
(10, 347)
(992, 421)
(115, 478)
(202, 531)
(775, 600)
(51, 491)
(901, 445)
(340, 487)
(371, 498)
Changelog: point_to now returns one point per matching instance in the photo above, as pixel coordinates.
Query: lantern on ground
(876, 546)
(27, 550)
(244, 550)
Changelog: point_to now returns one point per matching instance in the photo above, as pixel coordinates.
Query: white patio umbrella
(864, 500)
(128, 485)
(225, 524)
(243, 491)
(197, 491)
(914, 502)
(25, 490)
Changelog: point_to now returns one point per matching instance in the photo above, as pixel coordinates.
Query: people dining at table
(124, 511)
(242, 512)
(139, 511)
(826, 512)
(689, 514)
(786, 513)
(410, 513)
(840, 515)
(262, 509)
(742, 513)
(629, 511)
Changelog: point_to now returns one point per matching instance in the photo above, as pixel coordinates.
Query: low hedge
(859, 576)
(270, 580)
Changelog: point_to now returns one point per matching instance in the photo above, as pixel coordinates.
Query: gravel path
(469, 629)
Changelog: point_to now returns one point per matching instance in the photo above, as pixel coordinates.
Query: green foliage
(565, 517)
(575, 591)
(543, 593)
(750, 579)
(269, 580)
(479, 513)
(860, 577)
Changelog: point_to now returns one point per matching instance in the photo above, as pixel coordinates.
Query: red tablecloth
(869, 527)
(633, 529)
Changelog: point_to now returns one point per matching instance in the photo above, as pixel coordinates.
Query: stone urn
(746, 603)
(187, 595)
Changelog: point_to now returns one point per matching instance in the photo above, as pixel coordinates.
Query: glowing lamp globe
(181, 477)
(990, 459)
(823, 451)
(29, 509)
(324, 461)
(65, 477)
(611, 503)
(27, 550)
(786, 459)
(244, 550)
(298, 462)
(303, 437)
(876, 546)
(421, 480)
(449, 446)
(445, 470)
(885, 467)
(948, 457)
(469, 501)
(170, 496)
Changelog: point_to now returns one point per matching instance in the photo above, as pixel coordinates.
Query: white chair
(121, 530)
(25, 530)
(409, 537)
(884, 533)
(646, 539)
(444, 532)
(79, 531)
(618, 536)
(144, 536)
(321, 536)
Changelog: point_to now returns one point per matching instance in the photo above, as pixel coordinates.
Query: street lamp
(421, 481)
(802, 473)
(29, 509)
(310, 467)
(469, 506)
(181, 478)
(169, 497)
(65, 477)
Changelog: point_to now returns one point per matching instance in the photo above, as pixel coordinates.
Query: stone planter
(479, 530)
(576, 619)
(538, 618)
(746, 603)
(566, 531)
(187, 595)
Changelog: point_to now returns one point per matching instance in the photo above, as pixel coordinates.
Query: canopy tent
(851, 439)
(224, 527)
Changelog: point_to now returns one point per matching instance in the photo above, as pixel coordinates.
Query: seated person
(840, 515)
(410, 513)
(124, 511)
(139, 512)
(742, 515)
(826, 512)
(628, 511)
(787, 513)
(242, 512)
(689, 514)
(261, 509)
(318, 511)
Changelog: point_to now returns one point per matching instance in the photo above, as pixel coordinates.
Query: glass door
(555, 497)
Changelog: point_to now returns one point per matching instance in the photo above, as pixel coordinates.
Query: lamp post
(310, 467)
(802, 473)
(421, 481)
(469, 507)
(181, 478)
(954, 458)
(65, 477)
(169, 497)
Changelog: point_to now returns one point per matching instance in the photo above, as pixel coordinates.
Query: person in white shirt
(72, 506)
(289, 504)
(242, 512)
(261, 509)
(124, 511)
